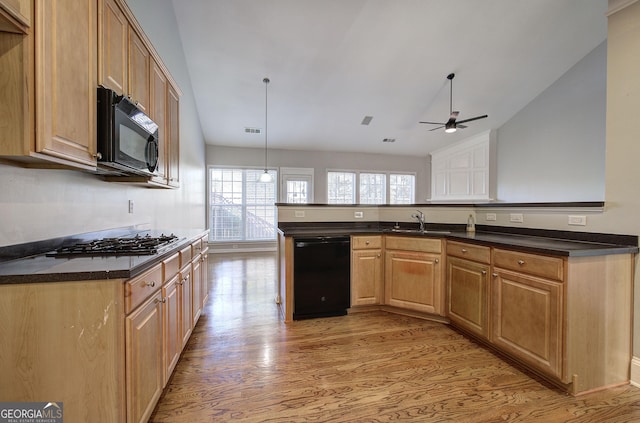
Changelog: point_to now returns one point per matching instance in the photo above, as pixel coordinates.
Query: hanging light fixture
(265, 177)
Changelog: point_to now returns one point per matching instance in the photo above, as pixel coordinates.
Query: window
(296, 185)
(241, 207)
(402, 189)
(341, 188)
(373, 188)
(370, 188)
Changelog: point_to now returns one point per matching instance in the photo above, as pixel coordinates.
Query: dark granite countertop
(38, 267)
(559, 243)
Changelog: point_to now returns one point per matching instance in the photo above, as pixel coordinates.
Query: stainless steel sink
(418, 231)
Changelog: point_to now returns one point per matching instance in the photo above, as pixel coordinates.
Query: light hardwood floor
(243, 364)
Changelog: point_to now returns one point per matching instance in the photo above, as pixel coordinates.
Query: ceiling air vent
(389, 140)
(252, 130)
(366, 120)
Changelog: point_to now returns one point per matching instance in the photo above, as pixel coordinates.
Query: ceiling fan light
(450, 130)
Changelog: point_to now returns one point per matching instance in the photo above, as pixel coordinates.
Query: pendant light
(265, 177)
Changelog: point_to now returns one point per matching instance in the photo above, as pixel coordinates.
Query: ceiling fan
(452, 125)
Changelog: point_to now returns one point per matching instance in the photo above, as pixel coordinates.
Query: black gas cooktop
(123, 246)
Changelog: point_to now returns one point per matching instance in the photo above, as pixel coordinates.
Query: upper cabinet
(15, 16)
(129, 65)
(49, 73)
(48, 81)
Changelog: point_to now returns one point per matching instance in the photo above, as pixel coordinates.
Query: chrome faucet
(420, 217)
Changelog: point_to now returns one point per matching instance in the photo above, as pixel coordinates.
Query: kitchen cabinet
(204, 272)
(172, 311)
(196, 273)
(139, 72)
(173, 137)
(413, 275)
(41, 71)
(468, 270)
(15, 15)
(186, 299)
(366, 270)
(158, 112)
(113, 42)
(144, 363)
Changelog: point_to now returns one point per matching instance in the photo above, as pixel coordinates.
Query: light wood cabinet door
(139, 72)
(158, 113)
(173, 137)
(366, 277)
(113, 29)
(66, 80)
(15, 15)
(172, 338)
(196, 290)
(413, 281)
(204, 278)
(186, 298)
(468, 299)
(144, 366)
(527, 316)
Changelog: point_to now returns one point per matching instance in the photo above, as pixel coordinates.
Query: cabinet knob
(378, 256)
(436, 261)
(151, 284)
(161, 300)
(484, 272)
(366, 242)
(520, 262)
(97, 156)
(464, 250)
(495, 275)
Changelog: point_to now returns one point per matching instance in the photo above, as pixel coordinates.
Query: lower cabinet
(528, 319)
(366, 270)
(468, 295)
(413, 274)
(144, 364)
(196, 289)
(172, 310)
(185, 293)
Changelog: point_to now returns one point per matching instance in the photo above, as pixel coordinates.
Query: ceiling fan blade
(433, 123)
(473, 118)
(434, 129)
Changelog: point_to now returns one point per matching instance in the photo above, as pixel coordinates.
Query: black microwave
(127, 137)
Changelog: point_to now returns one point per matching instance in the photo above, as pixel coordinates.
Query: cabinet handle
(97, 156)
(520, 262)
(495, 275)
(151, 284)
(378, 256)
(464, 250)
(484, 272)
(436, 261)
(161, 300)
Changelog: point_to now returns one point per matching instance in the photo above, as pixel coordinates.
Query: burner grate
(125, 246)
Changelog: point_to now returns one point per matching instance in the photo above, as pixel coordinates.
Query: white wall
(321, 161)
(554, 148)
(41, 204)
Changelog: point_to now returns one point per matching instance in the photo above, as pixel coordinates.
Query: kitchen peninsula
(559, 303)
(100, 334)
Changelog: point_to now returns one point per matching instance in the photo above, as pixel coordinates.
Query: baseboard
(635, 371)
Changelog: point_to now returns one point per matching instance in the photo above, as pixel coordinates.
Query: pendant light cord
(266, 84)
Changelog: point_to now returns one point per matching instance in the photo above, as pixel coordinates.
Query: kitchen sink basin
(418, 231)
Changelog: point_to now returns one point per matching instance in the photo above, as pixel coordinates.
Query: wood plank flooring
(243, 364)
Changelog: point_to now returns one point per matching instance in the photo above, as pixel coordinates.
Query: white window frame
(296, 174)
(357, 173)
(355, 187)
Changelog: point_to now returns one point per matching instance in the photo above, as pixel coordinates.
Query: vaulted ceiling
(333, 62)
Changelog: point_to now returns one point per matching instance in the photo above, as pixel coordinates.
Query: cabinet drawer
(140, 288)
(427, 245)
(533, 264)
(472, 252)
(366, 242)
(185, 256)
(196, 247)
(171, 266)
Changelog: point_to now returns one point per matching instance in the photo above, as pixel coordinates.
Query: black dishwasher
(321, 276)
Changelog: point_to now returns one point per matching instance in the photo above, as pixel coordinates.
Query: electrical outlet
(577, 220)
(298, 213)
(358, 214)
(130, 206)
(516, 217)
(490, 217)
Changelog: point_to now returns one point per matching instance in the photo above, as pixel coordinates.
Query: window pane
(402, 189)
(341, 187)
(297, 191)
(241, 207)
(373, 188)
